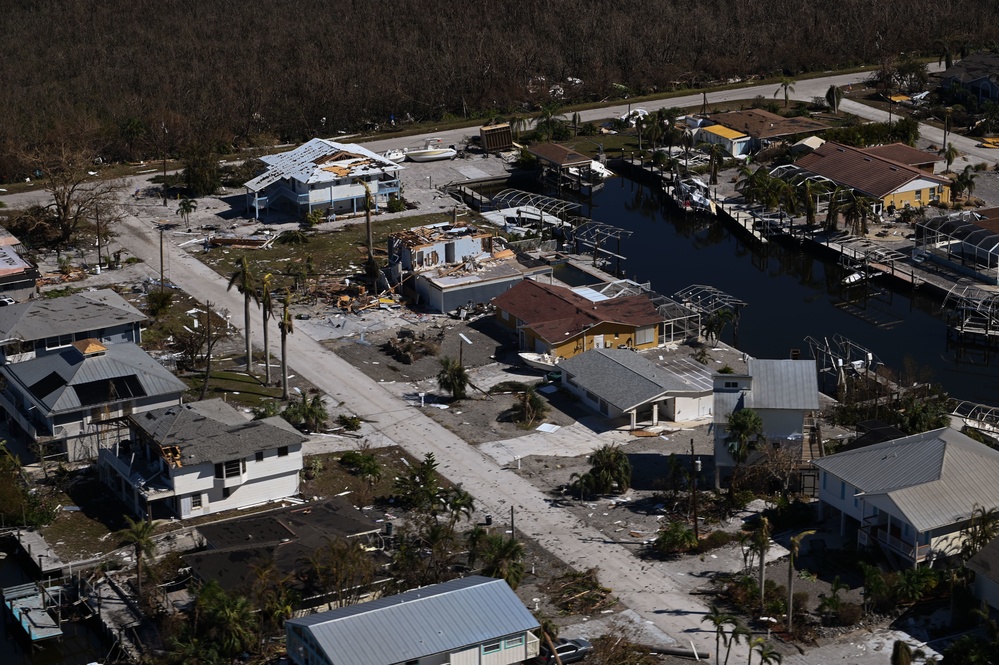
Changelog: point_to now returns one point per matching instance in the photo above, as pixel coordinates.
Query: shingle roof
(437, 619)
(80, 312)
(765, 125)
(212, 431)
(625, 378)
(865, 172)
(559, 154)
(899, 152)
(783, 384)
(935, 479)
(320, 160)
(555, 313)
(69, 380)
(983, 64)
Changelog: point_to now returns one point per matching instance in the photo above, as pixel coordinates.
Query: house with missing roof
(18, 275)
(444, 266)
(871, 173)
(621, 382)
(285, 538)
(978, 73)
(468, 621)
(785, 394)
(565, 322)
(188, 460)
(913, 496)
(75, 401)
(50, 325)
(323, 175)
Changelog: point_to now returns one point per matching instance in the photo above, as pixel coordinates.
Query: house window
(514, 642)
(260, 456)
(492, 647)
(226, 491)
(645, 335)
(230, 469)
(413, 662)
(842, 490)
(876, 511)
(195, 501)
(58, 341)
(283, 451)
(919, 195)
(856, 501)
(731, 384)
(905, 529)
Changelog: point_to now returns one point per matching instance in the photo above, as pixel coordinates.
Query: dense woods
(137, 78)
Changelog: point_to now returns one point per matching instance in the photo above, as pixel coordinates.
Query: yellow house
(872, 174)
(556, 320)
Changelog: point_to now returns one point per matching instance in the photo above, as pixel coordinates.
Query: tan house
(872, 174)
(557, 320)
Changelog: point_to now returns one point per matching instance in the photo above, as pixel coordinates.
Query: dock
(31, 606)
(39, 552)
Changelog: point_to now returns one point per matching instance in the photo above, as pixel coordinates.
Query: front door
(598, 341)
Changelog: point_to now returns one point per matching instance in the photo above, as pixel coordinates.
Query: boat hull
(541, 361)
(437, 154)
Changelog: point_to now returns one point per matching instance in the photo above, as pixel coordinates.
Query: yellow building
(872, 174)
(556, 320)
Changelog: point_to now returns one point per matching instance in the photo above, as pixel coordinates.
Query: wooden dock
(30, 605)
(39, 552)
(742, 219)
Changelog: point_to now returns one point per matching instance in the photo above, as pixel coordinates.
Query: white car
(7, 300)
(634, 115)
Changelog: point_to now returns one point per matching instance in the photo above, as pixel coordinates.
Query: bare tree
(77, 196)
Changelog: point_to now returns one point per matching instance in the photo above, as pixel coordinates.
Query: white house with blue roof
(469, 621)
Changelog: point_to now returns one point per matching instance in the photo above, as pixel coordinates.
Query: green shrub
(349, 423)
(715, 540)
(849, 614)
(396, 204)
(158, 302)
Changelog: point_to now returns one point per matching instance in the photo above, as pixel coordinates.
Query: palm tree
(719, 620)
(786, 84)
(452, 378)
(793, 552)
(611, 468)
(836, 199)
(549, 124)
(504, 559)
(967, 179)
(745, 431)
(768, 654)
(639, 129)
(232, 623)
(676, 538)
(738, 634)
(901, 653)
(950, 153)
(475, 543)
(459, 503)
(856, 211)
(716, 157)
(287, 327)
(809, 191)
(833, 97)
(185, 208)
(267, 308)
(138, 534)
(245, 281)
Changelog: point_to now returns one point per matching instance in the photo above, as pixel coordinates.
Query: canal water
(79, 645)
(789, 294)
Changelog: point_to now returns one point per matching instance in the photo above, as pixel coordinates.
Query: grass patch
(88, 532)
(509, 387)
(235, 388)
(331, 478)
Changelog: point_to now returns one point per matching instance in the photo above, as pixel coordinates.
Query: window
(195, 501)
(514, 642)
(645, 335)
(230, 469)
(260, 456)
(283, 451)
(842, 490)
(823, 480)
(58, 341)
(919, 195)
(226, 492)
(731, 384)
(492, 647)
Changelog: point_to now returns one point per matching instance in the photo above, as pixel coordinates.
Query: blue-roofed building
(783, 392)
(469, 621)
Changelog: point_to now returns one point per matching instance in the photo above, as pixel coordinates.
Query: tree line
(138, 79)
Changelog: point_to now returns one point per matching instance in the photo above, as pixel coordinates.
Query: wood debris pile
(580, 593)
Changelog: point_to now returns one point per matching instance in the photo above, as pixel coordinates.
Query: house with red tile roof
(874, 175)
(559, 321)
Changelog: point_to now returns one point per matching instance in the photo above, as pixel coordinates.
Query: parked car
(569, 651)
(6, 300)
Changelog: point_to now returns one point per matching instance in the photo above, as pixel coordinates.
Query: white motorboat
(397, 155)
(433, 150)
(543, 361)
(855, 278)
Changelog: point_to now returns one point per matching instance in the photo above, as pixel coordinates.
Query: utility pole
(513, 532)
(162, 282)
(695, 468)
(163, 125)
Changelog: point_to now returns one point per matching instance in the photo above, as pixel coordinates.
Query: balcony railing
(908, 550)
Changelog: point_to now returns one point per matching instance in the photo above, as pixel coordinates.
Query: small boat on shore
(397, 155)
(433, 150)
(857, 277)
(543, 361)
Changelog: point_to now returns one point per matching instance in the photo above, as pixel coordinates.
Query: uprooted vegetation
(580, 593)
